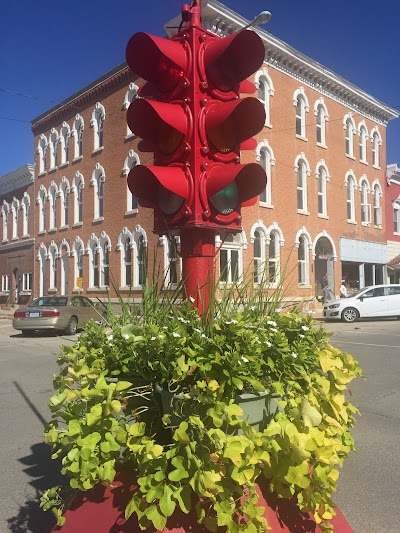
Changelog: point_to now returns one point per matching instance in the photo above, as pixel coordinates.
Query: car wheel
(350, 314)
(72, 327)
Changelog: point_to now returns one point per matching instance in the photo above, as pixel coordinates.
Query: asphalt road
(368, 492)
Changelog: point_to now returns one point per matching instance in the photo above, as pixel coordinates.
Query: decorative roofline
(17, 179)
(393, 174)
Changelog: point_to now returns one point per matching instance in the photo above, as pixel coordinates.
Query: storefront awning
(395, 263)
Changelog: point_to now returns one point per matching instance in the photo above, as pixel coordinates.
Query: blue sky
(49, 50)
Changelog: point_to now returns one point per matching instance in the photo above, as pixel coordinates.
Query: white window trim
(363, 134)
(239, 247)
(300, 97)
(322, 168)
(301, 161)
(263, 77)
(98, 114)
(131, 161)
(79, 125)
(348, 120)
(264, 147)
(98, 176)
(318, 106)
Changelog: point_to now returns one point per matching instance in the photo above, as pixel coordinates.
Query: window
(302, 170)
(41, 151)
(322, 117)
(351, 187)
(141, 263)
(363, 142)
(303, 260)
(365, 206)
(131, 200)
(377, 205)
(265, 90)
(14, 214)
(265, 157)
(350, 130)
(396, 217)
(64, 195)
(27, 282)
(4, 213)
(171, 265)
(97, 122)
(41, 200)
(376, 143)
(5, 283)
(53, 193)
(127, 263)
(77, 189)
(77, 252)
(259, 256)
(105, 266)
(322, 177)
(77, 132)
(273, 257)
(130, 95)
(230, 259)
(301, 104)
(53, 141)
(97, 181)
(25, 204)
(392, 291)
(64, 141)
(53, 265)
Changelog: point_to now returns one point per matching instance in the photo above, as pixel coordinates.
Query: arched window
(171, 260)
(141, 262)
(41, 201)
(274, 258)
(130, 95)
(53, 141)
(376, 141)
(350, 130)
(14, 214)
(97, 122)
(323, 178)
(301, 104)
(230, 259)
(97, 181)
(127, 263)
(303, 259)
(94, 265)
(396, 217)
(65, 253)
(64, 141)
(25, 204)
(77, 132)
(78, 184)
(131, 200)
(365, 205)
(363, 132)
(5, 209)
(104, 248)
(53, 265)
(321, 114)
(302, 170)
(52, 196)
(350, 182)
(265, 157)
(77, 252)
(42, 151)
(259, 248)
(265, 89)
(377, 193)
(42, 256)
(64, 200)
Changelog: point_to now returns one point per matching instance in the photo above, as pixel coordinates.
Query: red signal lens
(169, 74)
(226, 200)
(48, 314)
(19, 314)
(168, 138)
(224, 137)
(168, 201)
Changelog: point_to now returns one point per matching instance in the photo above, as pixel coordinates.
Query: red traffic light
(161, 62)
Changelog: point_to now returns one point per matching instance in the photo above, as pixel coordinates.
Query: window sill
(63, 228)
(265, 204)
(26, 236)
(64, 164)
(52, 230)
(351, 221)
(4, 293)
(27, 292)
(77, 290)
(77, 225)
(377, 168)
(320, 145)
(52, 169)
(76, 159)
(363, 162)
(4, 241)
(97, 150)
(268, 125)
(305, 286)
(98, 289)
(301, 137)
(131, 212)
(126, 288)
(14, 239)
(377, 226)
(302, 212)
(52, 290)
(325, 217)
(129, 136)
(41, 174)
(366, 224)
(97, 220)
(350, 157)
(43, 232)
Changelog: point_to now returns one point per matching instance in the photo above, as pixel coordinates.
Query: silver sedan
(59, 313)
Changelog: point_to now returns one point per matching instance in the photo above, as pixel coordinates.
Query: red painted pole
(198, 256)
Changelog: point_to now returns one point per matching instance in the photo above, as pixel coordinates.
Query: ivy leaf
(180, 434)
(122, 385)
(183, 497)
(94, 416)
(311, 417)
(153, 514)
(299, 475)
(167, 504)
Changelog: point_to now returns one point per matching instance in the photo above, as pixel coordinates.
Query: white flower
(245, 359)
(191, 299)
(175, 334)
(183, 320)
(153, 338)
(294, 355)
(305, 328)
(203, 336)
(231, 321)
(253, 308)
(278, 310)
(271, 323)
(197, 330)
(268, 344)
(273, 330)
(301, 336)
(110, 337)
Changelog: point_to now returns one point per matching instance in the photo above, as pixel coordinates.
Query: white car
(375, 301)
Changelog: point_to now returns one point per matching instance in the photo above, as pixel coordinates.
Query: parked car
(375, 301)
(60, 313)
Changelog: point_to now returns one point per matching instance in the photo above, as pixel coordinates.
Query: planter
(258, 407)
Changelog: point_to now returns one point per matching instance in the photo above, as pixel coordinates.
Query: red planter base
(101, 510)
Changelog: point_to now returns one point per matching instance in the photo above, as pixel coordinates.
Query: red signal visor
(160, 61)
(144, 181)
(251, 180)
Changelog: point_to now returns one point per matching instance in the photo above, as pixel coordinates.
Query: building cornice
(27, 243)
(17, 179)
(222, 21)
(393, 174)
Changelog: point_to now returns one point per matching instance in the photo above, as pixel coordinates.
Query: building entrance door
(16, 283)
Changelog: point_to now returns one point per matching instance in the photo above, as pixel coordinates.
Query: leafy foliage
(203, 455)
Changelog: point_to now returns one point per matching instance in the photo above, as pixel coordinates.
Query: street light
(262, 18)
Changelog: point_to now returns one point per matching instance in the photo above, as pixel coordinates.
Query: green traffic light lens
(168, 202)
(226, 200)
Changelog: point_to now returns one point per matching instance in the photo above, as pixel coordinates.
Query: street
(368, 493)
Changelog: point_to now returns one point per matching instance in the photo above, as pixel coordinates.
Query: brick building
(392, 201)
(17, 242)
(323, 147)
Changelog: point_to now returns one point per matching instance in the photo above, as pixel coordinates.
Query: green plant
(204, 458)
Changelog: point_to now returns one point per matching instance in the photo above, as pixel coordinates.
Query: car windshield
(49, 301)
(354, 294)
